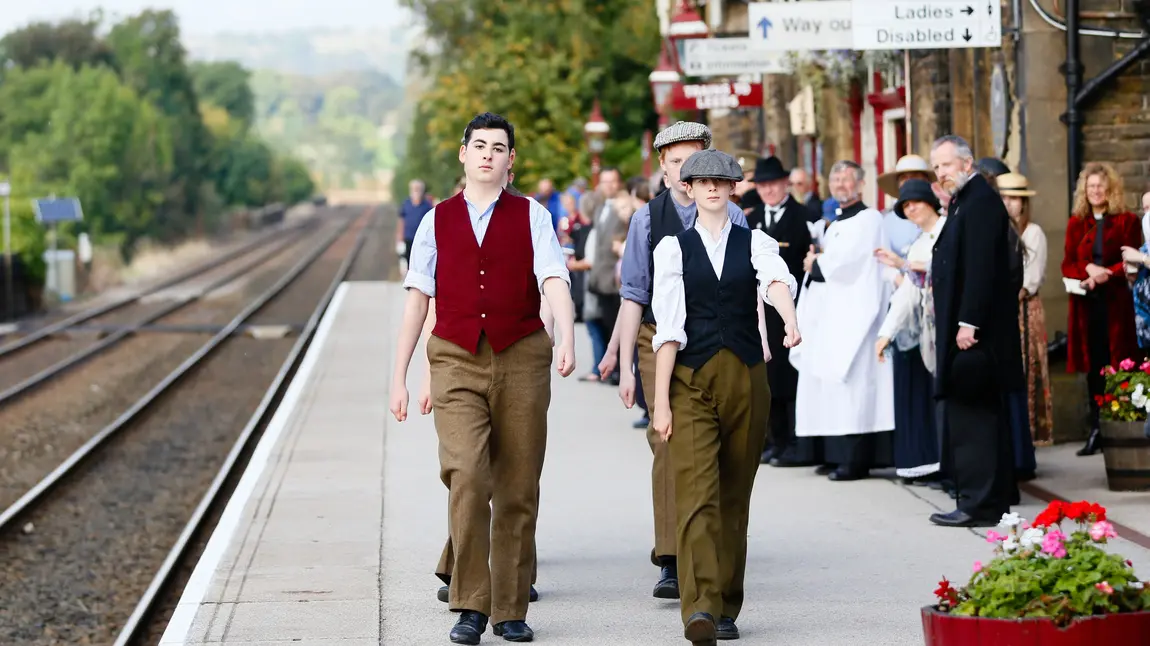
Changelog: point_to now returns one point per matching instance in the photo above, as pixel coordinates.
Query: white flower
(1010, 520)
(1137, 585)
(1139, 398)
(1031, 537)
(1010, 544)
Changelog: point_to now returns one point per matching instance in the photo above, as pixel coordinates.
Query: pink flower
(1102, 530)
(977, 567)
(1145, 367)
(1110, 370)
(1104, 587)
(1052, 544)
(994, 537)
(1126, 365)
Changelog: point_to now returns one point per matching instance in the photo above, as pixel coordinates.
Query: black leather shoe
(443, 594)
(533, 596)
(726, 629)
(824, 469)
(1092, 443)
(668, 585)
(469, 628)
(513, 631)
(844, 474)
(786, 464)
(642, 422)
(767, 456)
(959, 518)
(700, 629)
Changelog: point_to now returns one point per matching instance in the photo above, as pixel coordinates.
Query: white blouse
(1034, 265)
(669, 296)
(908, 295)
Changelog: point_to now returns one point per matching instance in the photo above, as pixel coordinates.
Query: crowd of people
(755, 323)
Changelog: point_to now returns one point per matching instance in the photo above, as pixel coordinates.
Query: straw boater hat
(710, 164)
(1014, 184)
(888, 182)
(684, 131)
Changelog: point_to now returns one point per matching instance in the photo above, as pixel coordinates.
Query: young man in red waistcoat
(485, 256)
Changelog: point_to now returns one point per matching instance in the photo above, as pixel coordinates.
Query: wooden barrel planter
(1123, 629)
(1126, 450)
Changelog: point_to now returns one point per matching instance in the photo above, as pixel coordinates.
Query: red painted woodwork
(1125, 629)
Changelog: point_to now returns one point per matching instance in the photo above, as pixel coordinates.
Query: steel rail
(88, 352)
(79, 317)
(137, 620)
(36, 493)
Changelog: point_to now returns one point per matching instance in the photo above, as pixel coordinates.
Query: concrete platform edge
(180, 624)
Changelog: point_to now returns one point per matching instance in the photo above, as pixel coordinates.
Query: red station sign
(708, 96)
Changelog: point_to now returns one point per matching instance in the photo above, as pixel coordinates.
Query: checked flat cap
(712, 164)
(683, 131)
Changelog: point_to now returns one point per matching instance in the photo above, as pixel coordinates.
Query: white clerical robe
(843, 389)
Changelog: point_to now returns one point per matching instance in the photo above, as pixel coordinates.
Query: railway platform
(333, 533)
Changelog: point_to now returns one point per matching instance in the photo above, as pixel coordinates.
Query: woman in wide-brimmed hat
(911, 318)
(1016, 194)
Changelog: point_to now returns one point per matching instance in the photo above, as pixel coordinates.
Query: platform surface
(334, 531)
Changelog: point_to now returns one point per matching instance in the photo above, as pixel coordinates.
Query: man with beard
(845, 395)
(784, 219)
(670, 213)
(977, 339)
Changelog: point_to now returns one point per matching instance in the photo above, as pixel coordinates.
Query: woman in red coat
(1102, 321)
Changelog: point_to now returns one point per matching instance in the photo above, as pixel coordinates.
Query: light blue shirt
(549, 261)
(902, 233)
(636, 272)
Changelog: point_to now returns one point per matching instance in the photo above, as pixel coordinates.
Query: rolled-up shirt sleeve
(634, 274)
(668, 295)
(421, 264)
(769, 265)
(549, 259)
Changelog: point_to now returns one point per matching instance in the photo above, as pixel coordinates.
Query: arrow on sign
(765, 24)
(989, 9)
(968, 10)
(966, 35)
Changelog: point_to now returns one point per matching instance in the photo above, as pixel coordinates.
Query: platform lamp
(686, 25)
(596, 130)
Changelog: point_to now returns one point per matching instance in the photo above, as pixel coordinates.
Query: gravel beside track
(39, 430)
(377, 259)
(96, 543)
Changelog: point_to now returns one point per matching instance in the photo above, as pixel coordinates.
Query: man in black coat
(977, 340)
(783, 218)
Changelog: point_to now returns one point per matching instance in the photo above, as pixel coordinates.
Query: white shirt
(1034, 266)
(669, 295)
(908, 295)
(549, 261)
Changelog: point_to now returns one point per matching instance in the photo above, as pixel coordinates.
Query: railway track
(89, 551)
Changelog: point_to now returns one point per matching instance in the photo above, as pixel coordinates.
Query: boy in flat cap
(712, 399)
(669, 213)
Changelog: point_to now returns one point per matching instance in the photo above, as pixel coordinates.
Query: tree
(72, 41)
(542, 65)
(226, 85)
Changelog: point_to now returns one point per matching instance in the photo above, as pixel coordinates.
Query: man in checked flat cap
(669, 213)
(712, 399)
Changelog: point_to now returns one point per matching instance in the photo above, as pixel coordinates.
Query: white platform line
(198, 584)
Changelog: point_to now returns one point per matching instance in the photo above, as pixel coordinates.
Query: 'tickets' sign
(708, 96)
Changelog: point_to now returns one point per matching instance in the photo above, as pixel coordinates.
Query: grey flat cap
(711, 164)
(683, 131)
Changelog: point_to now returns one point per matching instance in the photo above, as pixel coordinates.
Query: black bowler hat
(769, 170)
(915, 190)
(992, 166)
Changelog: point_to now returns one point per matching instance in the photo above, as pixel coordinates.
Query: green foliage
(1040, 572)
(226, 85)
(292, 181)
(335, 124)
(541, 65)
(73, 42)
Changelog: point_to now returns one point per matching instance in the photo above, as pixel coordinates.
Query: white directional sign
(800, 26)
(730, 57)
(926, 24)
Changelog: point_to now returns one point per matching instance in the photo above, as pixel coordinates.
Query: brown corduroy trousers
(662, 474)
(491, 418)
(718, 426)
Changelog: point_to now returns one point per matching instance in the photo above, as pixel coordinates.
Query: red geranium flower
(1124, 385)
(1052, 515)
(945, 592)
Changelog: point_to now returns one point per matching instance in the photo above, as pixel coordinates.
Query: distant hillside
(342, 125)
(310, 52)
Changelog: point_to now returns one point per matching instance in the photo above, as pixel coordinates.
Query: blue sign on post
(52, 210)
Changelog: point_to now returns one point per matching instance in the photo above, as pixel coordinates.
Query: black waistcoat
(721, 312)
(664, 222)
